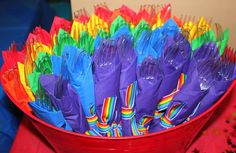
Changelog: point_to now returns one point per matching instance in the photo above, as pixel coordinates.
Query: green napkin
(116, 24)
(103, 34)
(223, 43)
(43, 65)
(33, 79)
(202, 39)
(137, 31)
(86, 42)
(64, 38)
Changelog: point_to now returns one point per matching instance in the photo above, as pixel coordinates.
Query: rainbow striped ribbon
(108, 110)
(134, 127)
(165, 122)
(174, 111)
(145, 120)
(103, 127)
(144, 124)
(165, 101)
(163, 104)
(92, 120)
(93, 132)
(142, 130)
(127, 113)
(130, 95)
(115, 131)
(171, 114)
(158, 114)
(194, 111)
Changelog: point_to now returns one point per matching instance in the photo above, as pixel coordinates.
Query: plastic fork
(46, 60)
(150, 69)
(143, 41)
(125, 48)
(159, 44)
(219, 32)
(202, 26)
(206, 71)
(226, 66)
(107, 54)
(175, 55)
(207, 51)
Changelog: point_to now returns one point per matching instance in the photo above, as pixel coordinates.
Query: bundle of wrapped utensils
(120, 72)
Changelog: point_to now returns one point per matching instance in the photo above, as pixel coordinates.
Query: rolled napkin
(56, 64)
(122, 31)
(142, 48)
(43, 35)
(86, 42)
(208, 51)
(149, 79)
(128, 86)
(137, 31)
(10, 81)
(103, 34)
(59, 23)
(66, 100)
(128, 14)
(78, 67)
(47, 114)
(186, 100)
(170, 28)
(147, 14)
(63, 39)
(208, 36)
(43, 65)
(107, 69)
(165, 36)
(104, 13)
(174, 60)
(116, 24)
(158, 41)
(224, 77)
(97, 41)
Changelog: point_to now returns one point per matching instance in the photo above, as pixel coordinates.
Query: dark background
(17, 19)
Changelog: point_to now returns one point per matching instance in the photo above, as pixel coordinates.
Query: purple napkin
(215, 92)
(234, 74)
(207, 51)
(65, 99)
(224, 77)
(128, 85)
(149, 80)
(175, 60)
(186, 100)
(107, 69)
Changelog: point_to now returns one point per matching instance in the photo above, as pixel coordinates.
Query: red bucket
(174, 140)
